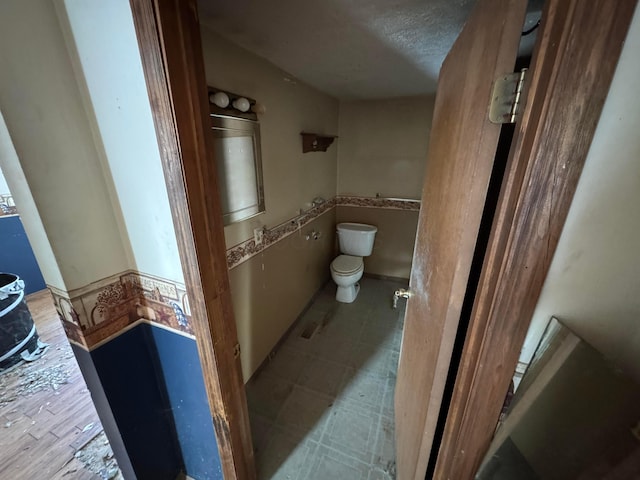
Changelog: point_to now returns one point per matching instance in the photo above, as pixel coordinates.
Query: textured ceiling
(351, 49)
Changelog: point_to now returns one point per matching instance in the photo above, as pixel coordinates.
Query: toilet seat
(347, 265)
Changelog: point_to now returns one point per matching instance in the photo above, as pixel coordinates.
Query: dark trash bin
(18, 336)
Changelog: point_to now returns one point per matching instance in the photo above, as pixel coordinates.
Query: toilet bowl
(356, 241)
(346, 270)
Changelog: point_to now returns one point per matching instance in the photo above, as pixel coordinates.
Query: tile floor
(322, 408)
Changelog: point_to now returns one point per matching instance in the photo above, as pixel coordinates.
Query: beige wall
(393, 247)
(383, 146)
(594, 280)
(19, 188)
(291, 179)
(272, 288)
(382, 150)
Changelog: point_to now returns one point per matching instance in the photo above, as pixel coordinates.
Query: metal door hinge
(506, 97)
(236, 350)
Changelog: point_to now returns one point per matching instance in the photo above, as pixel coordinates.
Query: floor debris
(33, 377)
(45, 382)
(97, 457)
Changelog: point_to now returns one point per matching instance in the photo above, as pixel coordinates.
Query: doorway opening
(197, 194)
(50, 426)
(271, 414)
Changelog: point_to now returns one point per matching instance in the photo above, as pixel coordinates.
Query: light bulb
(241, 104)
(258, 108)
(220, 99)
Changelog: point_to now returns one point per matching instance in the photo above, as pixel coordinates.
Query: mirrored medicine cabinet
(236, 149)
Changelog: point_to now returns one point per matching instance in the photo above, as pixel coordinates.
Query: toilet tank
(356, 238)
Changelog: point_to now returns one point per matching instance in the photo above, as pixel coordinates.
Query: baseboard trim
(386, 277)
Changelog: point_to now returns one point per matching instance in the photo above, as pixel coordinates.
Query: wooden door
(460, 160)
(577, 50)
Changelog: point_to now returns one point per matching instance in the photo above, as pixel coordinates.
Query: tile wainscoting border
(375, 202)
(97, 312)
(243, 251)
(7, 205)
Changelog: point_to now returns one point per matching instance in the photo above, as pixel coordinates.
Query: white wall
(291, 179)
(4, 188)
(594, 280)
(383, 146)
(104, 49)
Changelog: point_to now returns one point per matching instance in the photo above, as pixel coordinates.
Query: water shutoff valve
(313, 234)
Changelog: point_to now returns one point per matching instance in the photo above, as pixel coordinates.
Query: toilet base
(347, 294)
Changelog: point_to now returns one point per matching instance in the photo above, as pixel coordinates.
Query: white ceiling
(351, 49)
(347, 48)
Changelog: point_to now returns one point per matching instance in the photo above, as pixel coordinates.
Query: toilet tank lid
(357, 227)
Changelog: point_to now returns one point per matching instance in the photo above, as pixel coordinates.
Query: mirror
(236, 145)
(574, 415)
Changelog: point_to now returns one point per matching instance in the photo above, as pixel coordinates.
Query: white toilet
(356, 241)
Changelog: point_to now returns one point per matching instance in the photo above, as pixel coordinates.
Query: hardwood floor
(46, 411)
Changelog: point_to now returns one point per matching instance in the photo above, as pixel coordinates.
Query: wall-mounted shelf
(315, 142)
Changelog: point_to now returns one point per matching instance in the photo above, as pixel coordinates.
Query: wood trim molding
(576, 54)
(169, 37)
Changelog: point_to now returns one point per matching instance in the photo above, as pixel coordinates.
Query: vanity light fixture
(222, 102)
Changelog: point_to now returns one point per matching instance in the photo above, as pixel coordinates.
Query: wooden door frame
(168, 34)
(536, 196)
(576, 54)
